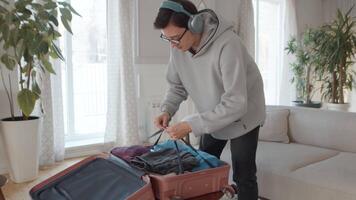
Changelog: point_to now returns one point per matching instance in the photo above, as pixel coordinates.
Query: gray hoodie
(221, 78)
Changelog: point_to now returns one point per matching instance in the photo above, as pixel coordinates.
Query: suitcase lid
(98, 179)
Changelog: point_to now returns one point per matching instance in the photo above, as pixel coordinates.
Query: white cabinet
(149, 48)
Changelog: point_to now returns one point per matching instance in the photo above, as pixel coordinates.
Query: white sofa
(319, 163)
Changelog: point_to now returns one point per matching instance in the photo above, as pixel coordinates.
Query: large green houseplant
(28, 31)
(28, 34)
(303, 69)
(335, 48)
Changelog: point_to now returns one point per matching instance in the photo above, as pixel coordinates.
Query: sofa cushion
(275, 128)
(294, 171)
(323, 128)
(337, 173)
(282, 187)
(284, 158)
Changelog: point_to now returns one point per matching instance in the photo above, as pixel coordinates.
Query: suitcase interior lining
(99, 179)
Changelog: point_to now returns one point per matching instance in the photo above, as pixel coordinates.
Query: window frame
(72, 139)
(279, 45)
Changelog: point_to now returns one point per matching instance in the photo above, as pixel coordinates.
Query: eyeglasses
(175, 42)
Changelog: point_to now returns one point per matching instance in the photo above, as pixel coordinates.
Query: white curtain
(287, 90)
(245, 24)
(52, 134)
(122, 122)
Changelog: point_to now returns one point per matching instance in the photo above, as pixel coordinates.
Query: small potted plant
(303, 70)
(335, 48)
(28, 32)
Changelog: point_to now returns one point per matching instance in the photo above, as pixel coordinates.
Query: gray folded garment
(165, 161)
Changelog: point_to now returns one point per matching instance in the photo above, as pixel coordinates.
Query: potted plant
(303, 70)
(335, 48)
(28, 32)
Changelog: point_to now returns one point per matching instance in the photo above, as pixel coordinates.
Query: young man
(210, 64)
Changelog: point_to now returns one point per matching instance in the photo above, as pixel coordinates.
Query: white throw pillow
(275, 128)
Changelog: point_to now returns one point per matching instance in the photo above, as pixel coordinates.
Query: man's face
(179, 37)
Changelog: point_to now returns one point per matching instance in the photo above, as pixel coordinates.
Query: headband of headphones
(176, 7)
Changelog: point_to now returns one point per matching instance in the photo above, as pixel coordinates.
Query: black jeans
(243, 156)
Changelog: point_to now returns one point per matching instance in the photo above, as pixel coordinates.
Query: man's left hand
(179, 130)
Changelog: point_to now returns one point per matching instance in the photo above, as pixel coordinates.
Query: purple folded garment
(129, 153)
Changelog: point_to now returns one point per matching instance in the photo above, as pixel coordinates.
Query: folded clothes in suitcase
(97, 177)
(188, 184)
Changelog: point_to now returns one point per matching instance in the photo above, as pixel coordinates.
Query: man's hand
(162, 120)
(179, 130)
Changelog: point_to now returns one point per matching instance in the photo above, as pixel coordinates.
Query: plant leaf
(26, 100)
(57, 51)
(65, 4)
(50, 5)
(53, 19)
(43, 47)
(66, 25)
(48, 66)
(66, 13)
(9, 63)
(36, 89)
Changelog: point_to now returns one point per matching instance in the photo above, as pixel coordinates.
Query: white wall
(151, 86)
(3, 114)
(309, 14)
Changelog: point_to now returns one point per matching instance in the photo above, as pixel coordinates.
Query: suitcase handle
(180, 165)
(197, 152)
(160, 132)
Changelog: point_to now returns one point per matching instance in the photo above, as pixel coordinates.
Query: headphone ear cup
(196, 24)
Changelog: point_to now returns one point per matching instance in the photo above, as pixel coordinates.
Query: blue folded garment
(201, 155)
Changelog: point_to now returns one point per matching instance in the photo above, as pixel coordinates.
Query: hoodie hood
(214, 26)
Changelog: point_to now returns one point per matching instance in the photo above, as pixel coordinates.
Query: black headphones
(195, 23)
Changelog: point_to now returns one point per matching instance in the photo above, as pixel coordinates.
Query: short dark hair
(165, 16)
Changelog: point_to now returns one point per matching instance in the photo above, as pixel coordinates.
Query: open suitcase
(108, 177)
(189, 185)
(192, 184)
(97, 177)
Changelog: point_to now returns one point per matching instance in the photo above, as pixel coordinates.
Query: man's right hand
(162, 120)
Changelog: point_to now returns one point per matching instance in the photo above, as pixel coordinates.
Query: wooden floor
(20, 191)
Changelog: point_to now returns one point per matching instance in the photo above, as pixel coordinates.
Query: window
(268, 23)
(84, 74)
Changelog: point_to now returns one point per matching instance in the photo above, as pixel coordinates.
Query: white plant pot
(22, 144)
(338, 107)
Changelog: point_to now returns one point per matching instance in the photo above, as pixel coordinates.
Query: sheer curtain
(287, 90)
(245, 24)
(52, 134)
(122, 122)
